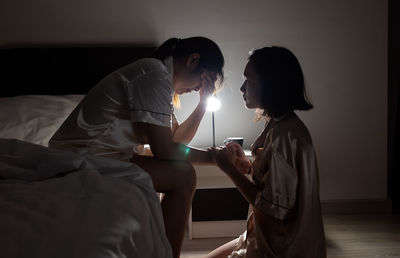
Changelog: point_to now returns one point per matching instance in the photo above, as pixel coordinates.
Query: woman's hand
(242, 163)
(231, 156)
(207, 86)
(224, 157)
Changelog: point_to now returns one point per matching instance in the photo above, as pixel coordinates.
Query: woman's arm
(225, 160)
(164, 147)
(184, 133)
(245, 186)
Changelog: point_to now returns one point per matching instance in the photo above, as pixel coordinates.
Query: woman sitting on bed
(133, 106)
(284, 191)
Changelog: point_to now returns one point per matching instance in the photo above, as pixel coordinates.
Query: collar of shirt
(271, 123)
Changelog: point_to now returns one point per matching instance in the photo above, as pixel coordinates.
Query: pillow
(34, 118)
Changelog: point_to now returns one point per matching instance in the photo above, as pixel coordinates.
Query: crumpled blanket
(60, 204)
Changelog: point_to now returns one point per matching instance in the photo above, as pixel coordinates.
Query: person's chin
(249, 105)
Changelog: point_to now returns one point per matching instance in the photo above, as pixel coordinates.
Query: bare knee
(187, 177)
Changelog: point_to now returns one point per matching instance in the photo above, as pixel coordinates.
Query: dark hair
(282, 79)
(211, 57)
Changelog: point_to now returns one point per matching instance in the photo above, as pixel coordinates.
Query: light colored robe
(286, 220)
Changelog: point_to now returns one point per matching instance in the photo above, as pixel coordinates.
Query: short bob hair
(282, 81)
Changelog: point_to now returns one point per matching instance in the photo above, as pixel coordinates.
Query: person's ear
(193, 60)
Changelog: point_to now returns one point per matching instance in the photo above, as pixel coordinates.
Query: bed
(60, 204)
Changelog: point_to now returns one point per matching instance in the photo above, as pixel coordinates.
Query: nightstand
(218, 208)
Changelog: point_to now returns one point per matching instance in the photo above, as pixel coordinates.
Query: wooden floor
(359, 236)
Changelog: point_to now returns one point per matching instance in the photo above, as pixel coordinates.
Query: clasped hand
(230, 157)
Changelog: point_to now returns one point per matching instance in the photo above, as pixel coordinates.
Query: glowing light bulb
(213, 104)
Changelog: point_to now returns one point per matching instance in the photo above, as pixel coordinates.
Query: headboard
(56, 70)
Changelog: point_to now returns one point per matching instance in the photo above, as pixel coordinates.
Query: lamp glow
(213, 104)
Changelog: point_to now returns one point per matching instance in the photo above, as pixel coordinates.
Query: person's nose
(243, 88)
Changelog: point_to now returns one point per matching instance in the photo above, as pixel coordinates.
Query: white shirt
(102, 122)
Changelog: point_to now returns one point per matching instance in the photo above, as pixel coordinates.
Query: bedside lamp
(213, 104)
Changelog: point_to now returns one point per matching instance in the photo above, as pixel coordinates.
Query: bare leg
(177, 180)
(223, 251)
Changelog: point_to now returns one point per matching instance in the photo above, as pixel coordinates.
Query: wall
(342, 46)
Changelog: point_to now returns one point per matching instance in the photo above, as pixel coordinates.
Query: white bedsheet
(60, 204)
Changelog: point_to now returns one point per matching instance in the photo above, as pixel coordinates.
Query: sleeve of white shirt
(150, 98)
